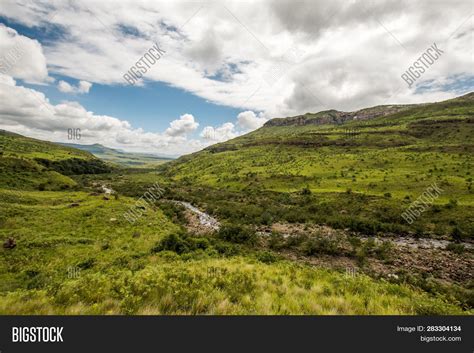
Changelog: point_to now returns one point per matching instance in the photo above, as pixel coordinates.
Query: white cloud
(21, 57)
(354, 52)
(182, 126)
(82, 87)
(29, 112)
(219, 134)
(249, 121)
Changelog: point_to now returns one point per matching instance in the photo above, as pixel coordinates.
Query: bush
(276, 241)
(237, 234)
(456, 234)
(227, 249)
(384, 251)
(74, 166)
(451, 204)
(174, 212)
(266, 257)
(320, 246)
(456, 248)
(355, 244)
(86, 264)
(178, 244)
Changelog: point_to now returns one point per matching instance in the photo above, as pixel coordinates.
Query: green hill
(309, 212)
(27, 163)
(356, 170)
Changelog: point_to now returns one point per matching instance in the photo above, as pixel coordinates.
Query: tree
(456, 234)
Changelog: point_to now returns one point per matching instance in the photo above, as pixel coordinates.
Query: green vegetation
(27, 164)
(67, 249)
(322, 174)
(87, 259)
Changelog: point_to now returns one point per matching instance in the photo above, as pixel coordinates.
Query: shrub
(76, 166)
(451, 204)
(305, 191)
(320, 246)
(456, 234)
(384, 251)
(266, 257)
(88, 263)
(194, 247)
(237, 234)
(355, 243)
(227, 249)
(456, 248)
(172, 242)
(276, 241)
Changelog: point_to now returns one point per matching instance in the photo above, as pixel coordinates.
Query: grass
(389, 161)
(75, 253)
(115, 270)
(172, 286)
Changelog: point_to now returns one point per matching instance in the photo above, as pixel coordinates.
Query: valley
(301, 216)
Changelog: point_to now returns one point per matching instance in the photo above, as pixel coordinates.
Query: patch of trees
(75, 166)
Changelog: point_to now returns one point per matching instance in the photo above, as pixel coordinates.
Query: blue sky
(150, 107)
(223, 69)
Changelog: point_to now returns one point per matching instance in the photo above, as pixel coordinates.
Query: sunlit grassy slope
(76, 254)
(389, 161)
(88, 260)
(401, 153)
(14, 145)
(27, 163)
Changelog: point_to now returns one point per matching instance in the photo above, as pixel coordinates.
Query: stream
(204, 219)
(208, 221)
(421, 243)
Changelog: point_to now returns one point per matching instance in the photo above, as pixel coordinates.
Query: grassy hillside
(15, 145)
(28, 164)
(359, 174)
(296, 202)
(88, 259)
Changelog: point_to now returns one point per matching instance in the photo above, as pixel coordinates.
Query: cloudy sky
(224, 67)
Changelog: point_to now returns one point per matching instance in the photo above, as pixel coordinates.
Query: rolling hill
(27, 163)
(310, 212)
(356, 170)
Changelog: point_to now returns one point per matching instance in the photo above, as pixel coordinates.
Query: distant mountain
(123, 158)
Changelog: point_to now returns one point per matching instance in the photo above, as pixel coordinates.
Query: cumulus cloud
(21, 57)
(354, 53)
(182, 126)
(219, 134)
(82, 87)
(29, 112)
(248, 120)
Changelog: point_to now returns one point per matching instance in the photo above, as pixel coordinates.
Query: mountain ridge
(333, 116)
